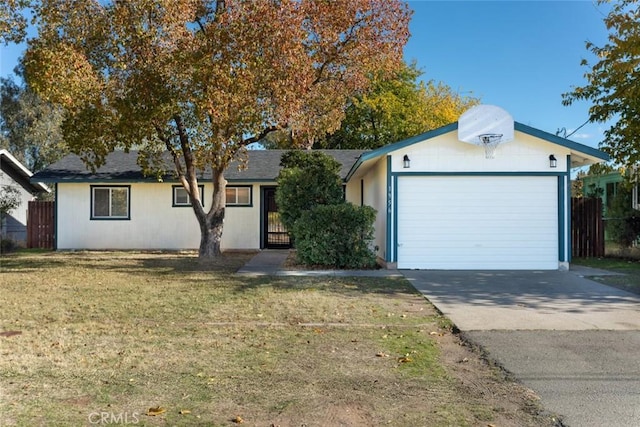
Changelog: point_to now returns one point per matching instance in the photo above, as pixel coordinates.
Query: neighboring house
(441, 203)
(15, 174)
(604, 186)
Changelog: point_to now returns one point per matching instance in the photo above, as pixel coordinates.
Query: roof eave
(37, 186)
(378, 152)
(594, 154)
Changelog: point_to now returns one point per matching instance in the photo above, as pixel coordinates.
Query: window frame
(110, 217)
(175, 204)
(239, 205)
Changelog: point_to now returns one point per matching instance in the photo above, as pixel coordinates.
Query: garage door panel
(477, 222)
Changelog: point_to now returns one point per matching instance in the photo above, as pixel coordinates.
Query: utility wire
(578, 128)
(564, 130)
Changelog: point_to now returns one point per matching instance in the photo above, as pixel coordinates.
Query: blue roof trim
(572, 145)
(398, 145)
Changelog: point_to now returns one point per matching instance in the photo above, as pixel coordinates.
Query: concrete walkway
(268, 262)
(265, 263)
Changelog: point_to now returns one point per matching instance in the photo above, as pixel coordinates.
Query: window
(611, 191)
(110, 202)
(182, 198)
(238, 196)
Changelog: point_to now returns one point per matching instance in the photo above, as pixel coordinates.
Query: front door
(275, 235)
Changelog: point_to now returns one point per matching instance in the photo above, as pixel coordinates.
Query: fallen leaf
(152, 412)
(404, 359)
(238, 420)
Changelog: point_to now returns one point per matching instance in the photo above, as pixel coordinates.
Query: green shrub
(336, 235)
(623, 222)
(308, 178)
(8, 245)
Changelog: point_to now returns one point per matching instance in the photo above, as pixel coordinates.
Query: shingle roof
(263, 165)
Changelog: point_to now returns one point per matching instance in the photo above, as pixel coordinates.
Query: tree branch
(261, 135)
(176, 158)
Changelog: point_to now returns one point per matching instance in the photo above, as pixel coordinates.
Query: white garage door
(478, 222)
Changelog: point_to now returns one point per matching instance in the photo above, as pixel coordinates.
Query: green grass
(119, 333)
(629, 268)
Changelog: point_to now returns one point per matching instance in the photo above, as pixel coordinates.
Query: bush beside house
(326, 230)
(336, 235)
(623, 223)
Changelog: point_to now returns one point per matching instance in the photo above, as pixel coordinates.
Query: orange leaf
(152, 412)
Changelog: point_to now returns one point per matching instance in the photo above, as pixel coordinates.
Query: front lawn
(159, 339)
(629, 280)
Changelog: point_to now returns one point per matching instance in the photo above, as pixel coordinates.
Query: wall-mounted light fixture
(406, 163)
(553, 162)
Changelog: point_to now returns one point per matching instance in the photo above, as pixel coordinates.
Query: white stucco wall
(154, 223)
(445, 153)
(375, 195)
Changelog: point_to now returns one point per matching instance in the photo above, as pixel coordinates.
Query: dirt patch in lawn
(160, 339)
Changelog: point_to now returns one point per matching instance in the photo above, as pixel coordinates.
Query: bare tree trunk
(211, 223)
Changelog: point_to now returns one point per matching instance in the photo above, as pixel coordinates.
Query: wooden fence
(587, 227)
(41, 225)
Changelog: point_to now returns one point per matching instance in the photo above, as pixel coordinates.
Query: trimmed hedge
(336, 235)
(308, 178)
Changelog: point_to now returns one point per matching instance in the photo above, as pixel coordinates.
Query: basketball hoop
(486, 126)
(490, 141)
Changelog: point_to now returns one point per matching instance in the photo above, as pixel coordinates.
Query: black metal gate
(275, 235)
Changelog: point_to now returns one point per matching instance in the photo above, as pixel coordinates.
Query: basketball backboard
(485, 120)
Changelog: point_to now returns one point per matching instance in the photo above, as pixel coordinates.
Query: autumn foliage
(203, 78)
(613, 82)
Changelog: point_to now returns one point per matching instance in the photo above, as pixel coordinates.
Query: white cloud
(582, 136)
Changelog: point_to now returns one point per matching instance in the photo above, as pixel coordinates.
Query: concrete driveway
(575, 342)
(541, 300)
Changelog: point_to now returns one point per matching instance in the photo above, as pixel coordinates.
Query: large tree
(396, 107)
(13, 24)
(613, 82)
(29, 127)
(204, 78)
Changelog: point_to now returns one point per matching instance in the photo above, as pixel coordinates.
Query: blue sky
(518, 55)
